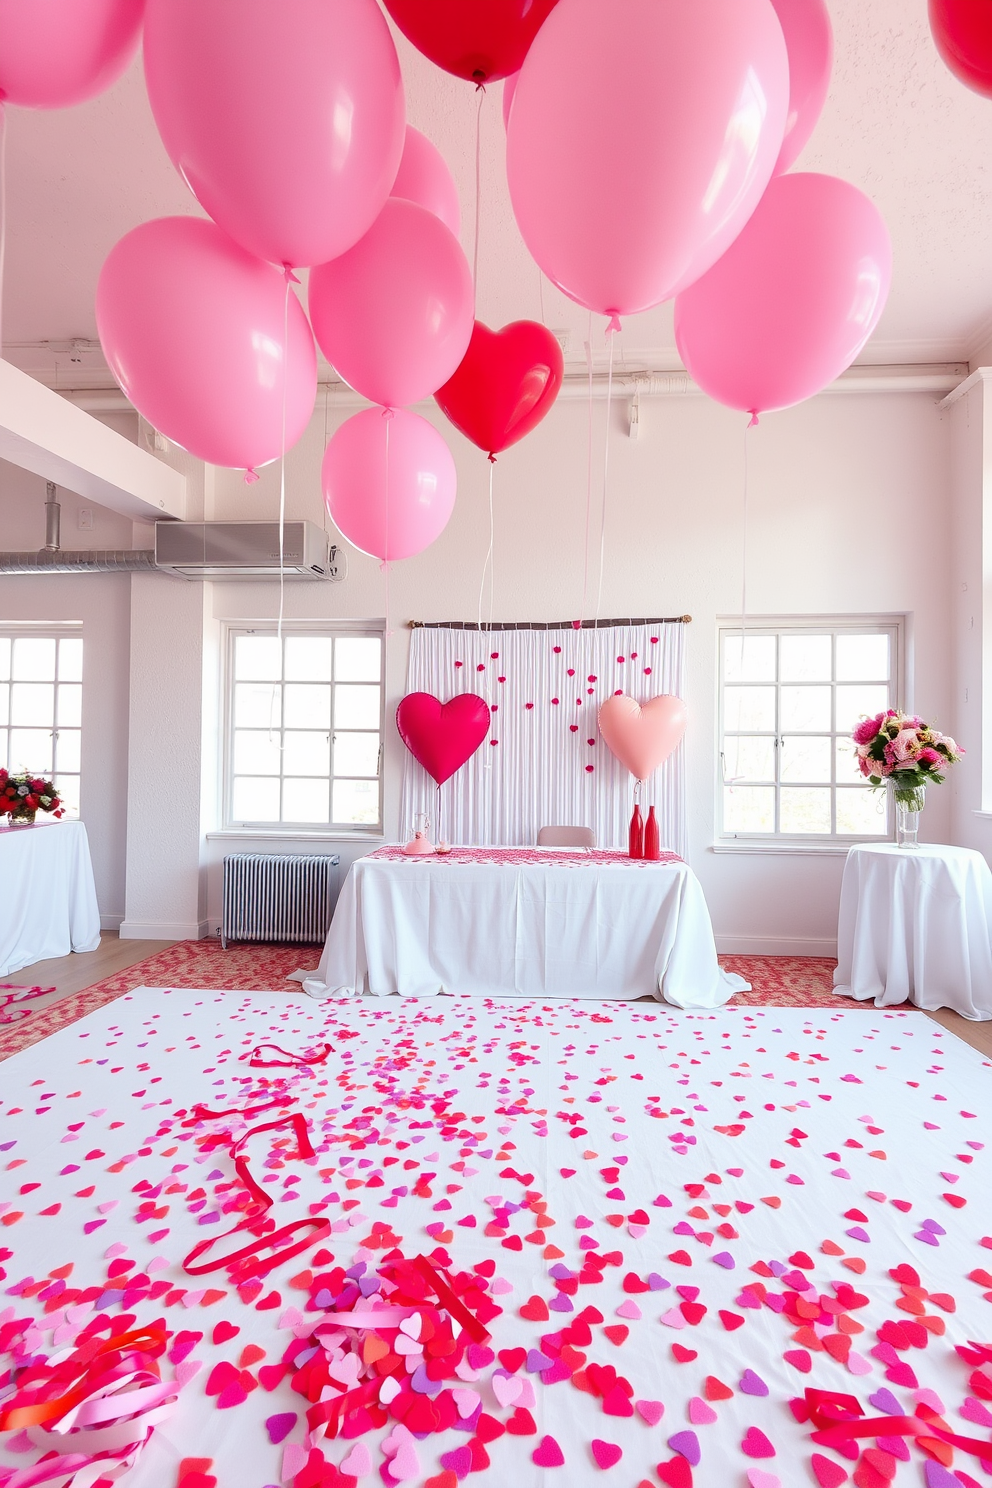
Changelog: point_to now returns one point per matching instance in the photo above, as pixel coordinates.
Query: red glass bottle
(636, 849)
(652, 840)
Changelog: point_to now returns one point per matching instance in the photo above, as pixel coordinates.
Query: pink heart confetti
(606, 1454)
(701, 1414)
(650, 1410)
(548, 1453)
(358, 1463)
(756, 1444)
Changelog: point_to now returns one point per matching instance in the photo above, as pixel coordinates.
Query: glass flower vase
(909, 802)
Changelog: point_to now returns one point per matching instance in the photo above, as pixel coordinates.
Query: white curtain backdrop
(544, 763)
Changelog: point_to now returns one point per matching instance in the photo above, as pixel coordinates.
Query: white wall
(102, 603)
(844, 501)
(971, 469)
(848, 501)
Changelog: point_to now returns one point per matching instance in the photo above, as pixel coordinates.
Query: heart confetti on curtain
(545, 763)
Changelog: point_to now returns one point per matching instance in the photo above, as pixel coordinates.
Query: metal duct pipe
(98, 561)
(53, 519)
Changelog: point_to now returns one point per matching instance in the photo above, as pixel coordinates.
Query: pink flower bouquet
(902, 749)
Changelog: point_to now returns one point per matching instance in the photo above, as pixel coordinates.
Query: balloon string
(387, 414)
(489, 567)
(606, 476)
(478, 188)
(282, 458)
(730, 779)
(492, 547)
(489, 557)
(747, 441)
(585, 573)
(3, 208)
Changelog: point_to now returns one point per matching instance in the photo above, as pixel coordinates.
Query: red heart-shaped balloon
(504, 385)
(479, 42)
(442, 736)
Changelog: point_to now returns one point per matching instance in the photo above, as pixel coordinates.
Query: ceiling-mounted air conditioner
(247, 550)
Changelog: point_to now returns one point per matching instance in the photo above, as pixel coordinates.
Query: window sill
(290, 834)
(796, 849)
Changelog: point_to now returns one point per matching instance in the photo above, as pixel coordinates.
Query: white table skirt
(917, 925)
(47, 895)
(595, 930)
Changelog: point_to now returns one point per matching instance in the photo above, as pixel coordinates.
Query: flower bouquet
(23, 796)
(901, 751)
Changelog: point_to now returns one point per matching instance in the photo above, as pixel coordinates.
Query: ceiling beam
(44, 433)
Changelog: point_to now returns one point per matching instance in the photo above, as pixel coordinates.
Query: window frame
(331, 630)
(58, 631)
(892, 625)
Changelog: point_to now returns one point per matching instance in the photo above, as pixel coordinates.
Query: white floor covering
(777, 1125)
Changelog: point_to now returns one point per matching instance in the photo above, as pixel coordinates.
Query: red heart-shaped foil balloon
(504, 385)
(442, 736)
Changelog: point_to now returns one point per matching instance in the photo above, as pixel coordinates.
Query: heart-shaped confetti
(650, 1410)
(829, 1474)
(752, 1384)
(756, 1444)
(606, 1454)
(701, 1414)
(548, 1453)
(758, 1478)
(280, 1426)
(687, 1444)
(358, 1463)
(676, 1473)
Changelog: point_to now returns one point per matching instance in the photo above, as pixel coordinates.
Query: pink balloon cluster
(55, 53)
(287, 123)
(672, 186)
(394, 317)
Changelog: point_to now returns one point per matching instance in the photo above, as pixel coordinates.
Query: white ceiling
(896, 123)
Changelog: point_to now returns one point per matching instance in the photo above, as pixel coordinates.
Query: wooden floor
(70, 974)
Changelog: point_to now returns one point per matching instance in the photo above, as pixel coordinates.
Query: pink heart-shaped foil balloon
(642, 736)
(442, 736)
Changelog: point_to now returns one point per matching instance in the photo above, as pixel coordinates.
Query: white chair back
(566, 837)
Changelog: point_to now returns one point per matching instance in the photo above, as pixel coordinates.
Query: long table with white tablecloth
(522, 922)
(48, 903)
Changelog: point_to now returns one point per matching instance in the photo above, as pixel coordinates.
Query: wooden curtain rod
(543, 624)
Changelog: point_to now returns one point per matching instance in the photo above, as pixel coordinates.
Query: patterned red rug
(776, 981)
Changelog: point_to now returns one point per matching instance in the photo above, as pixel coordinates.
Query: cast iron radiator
(278, 898)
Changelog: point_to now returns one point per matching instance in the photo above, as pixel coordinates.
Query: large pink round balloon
(641, 137)
(394, 315)
(809, 38)
(424, 178)
(793, 301)
(54, 53)
(389, 482)
(192, 327)
(286, 119)
(509, 88)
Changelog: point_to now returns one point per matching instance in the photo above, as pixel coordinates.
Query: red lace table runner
(514, 856)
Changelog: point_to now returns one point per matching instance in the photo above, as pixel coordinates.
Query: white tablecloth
(47, 895)
(592, 925)
(917, 925)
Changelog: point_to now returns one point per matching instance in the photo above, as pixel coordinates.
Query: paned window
(41, 708)
(790, 697)
(305, 719)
